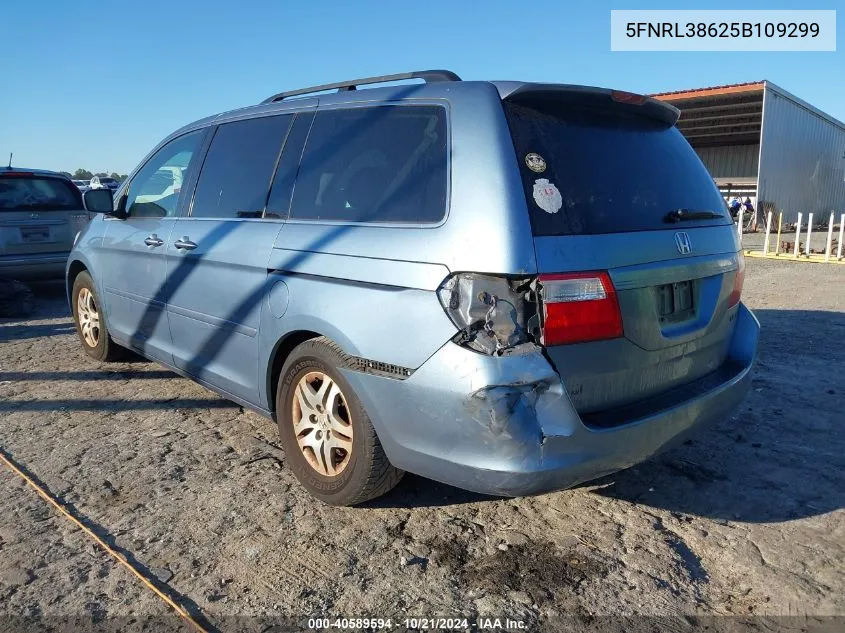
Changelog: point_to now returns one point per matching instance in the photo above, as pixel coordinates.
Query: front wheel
(90, 326)
(328, 438)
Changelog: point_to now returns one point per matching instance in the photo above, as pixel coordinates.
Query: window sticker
(547, 196)
(535, 163)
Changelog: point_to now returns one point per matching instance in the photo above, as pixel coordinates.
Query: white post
(797, 234)
(768, 230)
(809, 233)
(829, 238)
(739, 223)
(841, 235)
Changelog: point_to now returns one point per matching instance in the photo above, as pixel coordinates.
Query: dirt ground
(745, 520)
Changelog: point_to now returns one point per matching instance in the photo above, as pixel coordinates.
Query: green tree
(101, 173)
(82, 174)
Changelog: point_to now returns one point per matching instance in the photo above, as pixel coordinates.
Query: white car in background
(82, 185)
(104, 182)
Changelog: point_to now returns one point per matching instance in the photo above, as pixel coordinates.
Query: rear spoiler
(635, 103)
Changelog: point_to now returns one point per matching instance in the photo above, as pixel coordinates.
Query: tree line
(84, 174)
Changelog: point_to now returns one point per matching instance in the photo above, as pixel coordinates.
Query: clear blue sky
(97, 84)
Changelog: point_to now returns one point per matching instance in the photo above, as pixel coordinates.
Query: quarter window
(235, 177)
(380, 164)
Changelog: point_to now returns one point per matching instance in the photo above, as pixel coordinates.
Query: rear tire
(328, 438)
(90, 323)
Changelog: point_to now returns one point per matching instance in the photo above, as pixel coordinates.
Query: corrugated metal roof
(712, 91)
(805, 105)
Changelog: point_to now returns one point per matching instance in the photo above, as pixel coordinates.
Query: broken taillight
(493, 313)
(739, 278)
(579, 307)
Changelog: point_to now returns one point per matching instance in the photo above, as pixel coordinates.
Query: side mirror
(100, 201)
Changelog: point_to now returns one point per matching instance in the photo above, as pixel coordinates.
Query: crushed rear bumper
(506, 426)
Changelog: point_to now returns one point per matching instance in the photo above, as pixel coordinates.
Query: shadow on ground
(418, 492)
(36, 330)
(50, 304)
(782, 457)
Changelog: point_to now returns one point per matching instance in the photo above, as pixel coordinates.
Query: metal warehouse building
(760, 141)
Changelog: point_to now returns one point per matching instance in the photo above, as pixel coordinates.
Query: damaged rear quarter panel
(524, 411)
(469, 408)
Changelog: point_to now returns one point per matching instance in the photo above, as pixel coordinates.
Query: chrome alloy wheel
(322, 424)
(89, 317)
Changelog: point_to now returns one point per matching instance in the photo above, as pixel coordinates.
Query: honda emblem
(683, 243)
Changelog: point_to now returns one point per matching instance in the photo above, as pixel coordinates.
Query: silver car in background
(41, 212)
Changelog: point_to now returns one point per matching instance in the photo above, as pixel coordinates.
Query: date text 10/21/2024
(417, 624)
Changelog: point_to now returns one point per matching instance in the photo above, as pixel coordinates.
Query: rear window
(379, 164)
(32, 193)
(605, 170)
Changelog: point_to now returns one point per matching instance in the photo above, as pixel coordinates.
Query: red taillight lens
(17, 174)
(739, 278)
(579, 307)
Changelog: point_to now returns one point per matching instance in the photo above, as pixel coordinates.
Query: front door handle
(153, 240)
(185, 244)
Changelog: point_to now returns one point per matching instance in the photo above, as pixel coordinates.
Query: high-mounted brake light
(17, 174)
(579, 307)
(633, 98)
(739, 278)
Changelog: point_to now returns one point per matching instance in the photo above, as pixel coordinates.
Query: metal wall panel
(802, 158)
(731, 161)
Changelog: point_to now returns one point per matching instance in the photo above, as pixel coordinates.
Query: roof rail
(428, 76)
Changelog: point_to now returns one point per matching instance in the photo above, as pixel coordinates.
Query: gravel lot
(745, 520)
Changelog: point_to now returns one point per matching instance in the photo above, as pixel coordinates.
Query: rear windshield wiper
(682, 215)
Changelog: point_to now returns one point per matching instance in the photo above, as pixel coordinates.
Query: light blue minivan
(509, 287)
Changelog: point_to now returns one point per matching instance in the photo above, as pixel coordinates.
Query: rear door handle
(185, 244)
(153, 240)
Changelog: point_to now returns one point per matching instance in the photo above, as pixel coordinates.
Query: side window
(279, 202)
(154, 191)
(375, 164)
(235, 177)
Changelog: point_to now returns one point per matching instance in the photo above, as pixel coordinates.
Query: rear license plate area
(675, 302)
(35, 234)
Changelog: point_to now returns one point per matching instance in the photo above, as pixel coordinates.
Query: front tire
(90, 325)
(328, 438)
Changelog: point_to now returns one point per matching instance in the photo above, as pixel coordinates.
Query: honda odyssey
(509, 287)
